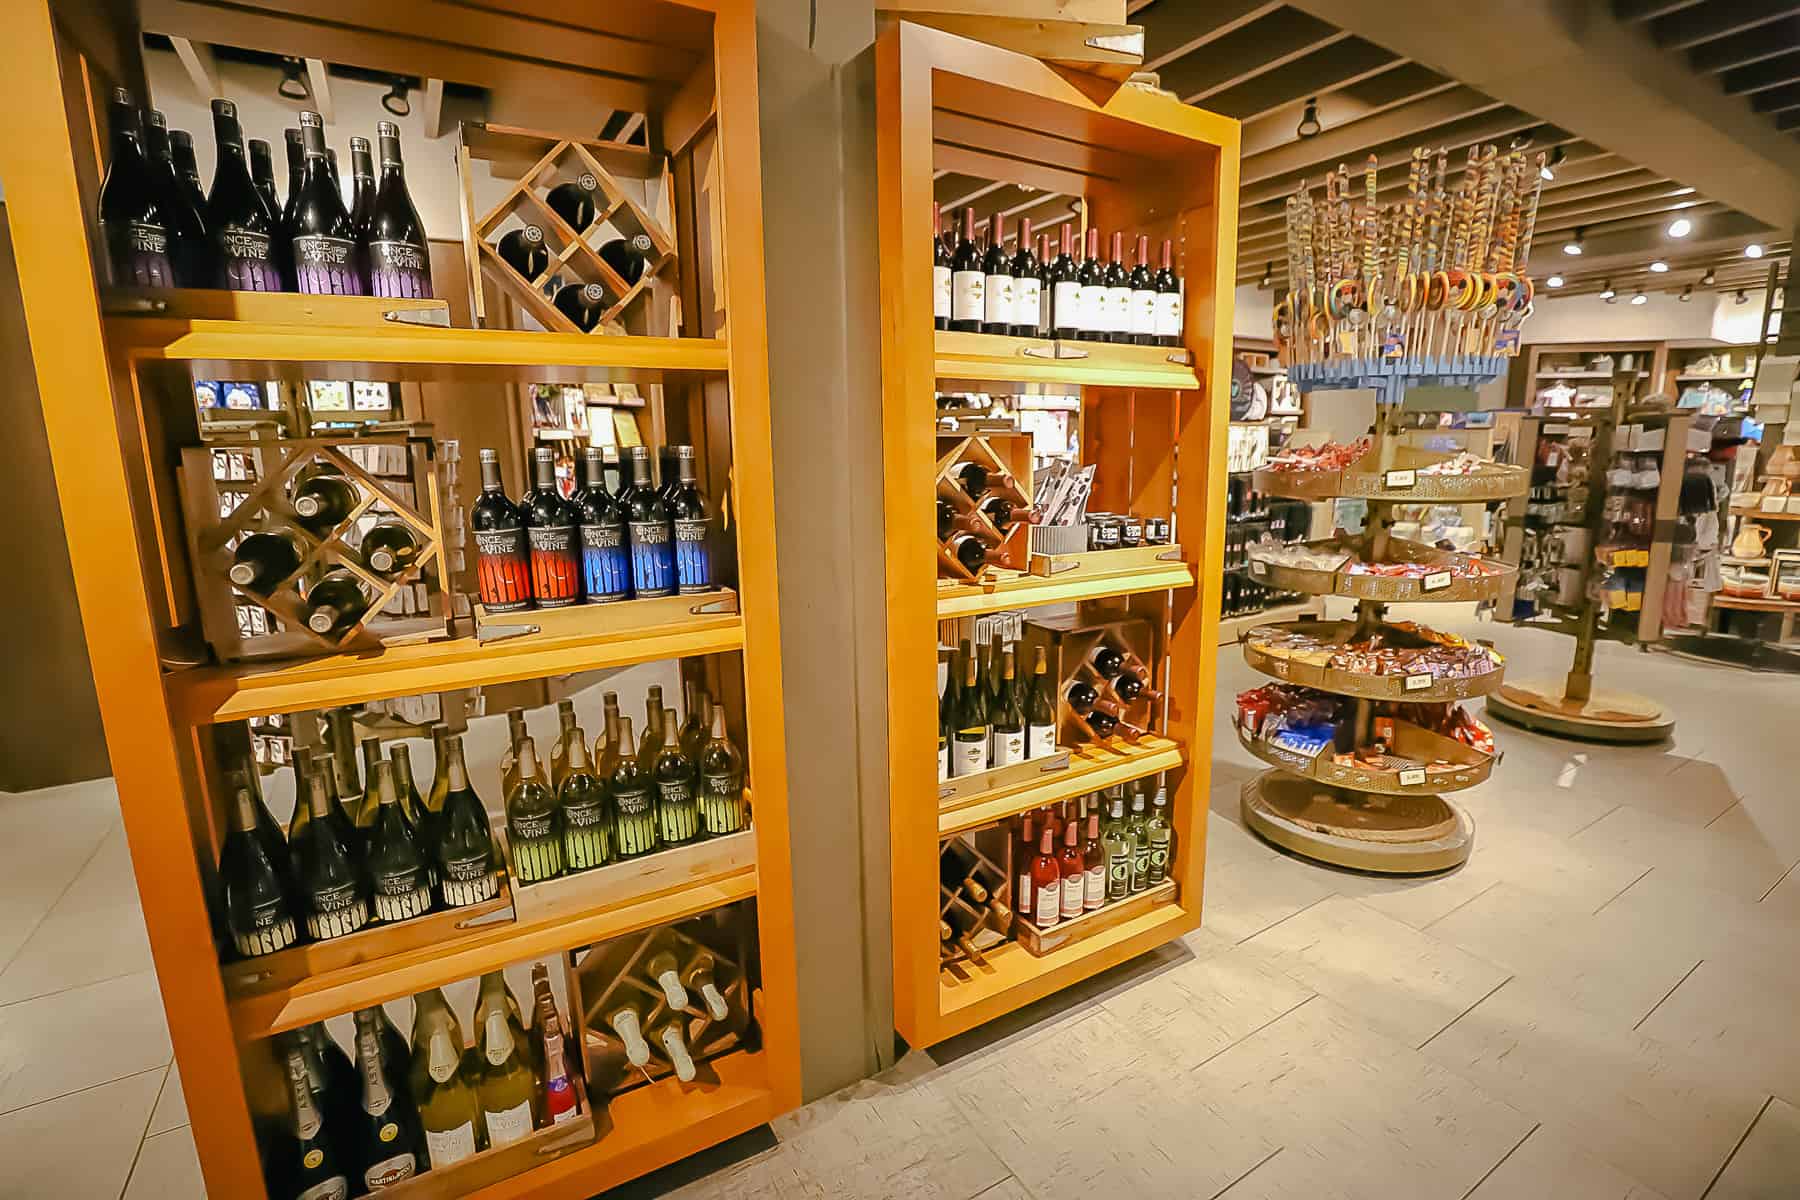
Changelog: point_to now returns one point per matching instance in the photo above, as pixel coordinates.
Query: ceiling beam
(1743, 49)
(1264, 45)
(1178, 27)
(1707, 22)
(1328, 69)
(1787, 121)
(1354, 138)
(1633, 244)
(1776, 72)
(1776, 100)
(1648, 10)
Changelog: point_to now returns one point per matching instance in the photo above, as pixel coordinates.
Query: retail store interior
(476, 639)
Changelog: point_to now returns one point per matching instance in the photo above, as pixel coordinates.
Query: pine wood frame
(57, 55)
(1065, 130)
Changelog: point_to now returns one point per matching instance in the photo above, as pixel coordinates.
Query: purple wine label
(246, 262)
(326, 266)
(693, 563)
(140, 254)
(605, 565)
(399, 271)
(652, 559)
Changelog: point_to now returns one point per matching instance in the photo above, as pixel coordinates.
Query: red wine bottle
(552, 527)
(687, 512)
(1026, 286)
(324, 242)
(136, 228)
(940, 272)
(1143, 296)
(362, 201)
(187, 169)
(628, 256)
(190, 249)
(1118, 293)
(582, 303)
(262, 174)
(575, 201)
(652, 532)
(967, 306)
(1065, 289)
(502, 560)
(996, 280)
(523, 250)
(399, 259)
(1168, 299)
(605, 562)
(1093, 291)
(242, 230)
(284, 227)
(1043, 257)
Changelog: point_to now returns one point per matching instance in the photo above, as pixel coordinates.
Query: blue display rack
(1390, 377)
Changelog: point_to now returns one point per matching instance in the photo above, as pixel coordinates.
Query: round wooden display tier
(1606, 716)
(1441, 585)
(1422, 688)
(1392, 835)
(1491, 483)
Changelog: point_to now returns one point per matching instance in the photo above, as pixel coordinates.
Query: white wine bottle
(467, 866)
(440, 768)
(609, 722)
(693, 729)
(449, 1109)
(509, 758)
(677, 814)
(259, 909)
(334, 892)
(721, 781)
(699, 976)
(566, 730)
(1161, 835)
(411, 806)
(389, 1144)
(668, 1038)
(507, 1084)
(587, 824)
(661, 969)
(627, 1021)
(308, 1163)
(397, 868)
(633, 809)
(370, 804)
(533, 822)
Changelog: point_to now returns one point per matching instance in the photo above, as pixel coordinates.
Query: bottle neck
(1025, 242)
(318, 796)
(243, 809)
(640, 470)
(228, 135)
(490, 475)
(376, 1093)
(306, 1112)
(384, 785)
(596, 470)
(624, 742)
(544, 473)
(498, 1035)
(459, 772)
(578, 755)
(718, 723)
(387, 138)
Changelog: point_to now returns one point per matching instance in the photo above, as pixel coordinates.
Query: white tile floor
(1599, 1006)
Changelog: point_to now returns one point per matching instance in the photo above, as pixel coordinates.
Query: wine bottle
(496, 996)
(399, 258)
(627, 1023)
(307, 1163)
(322, 502)
(1065, 289)
(968, 304)
(132, 218)
(1130, 685)
(993, 678)
(1026, 288)
(464, 854)
(577, 201)
(606, 746)
(1138, 826)
(587, 825)
(583, 303)
(260, 561)
(721, 781)
(560, 1101)
(1093, 291)
(969, 753)
(242, 230)
(946, 721)
(552, 527)
(677, 807)
(633, 808)
(262, 177)
(533, 822)
(969, 550)
(411, 806)
(325, 255)
(502, 556)
(1093, 855)
(1044, 283)
(667, 1037)
(1071, 865)
(300, 766)
(334, 891)
(1161, 836)
(566, 729)
(365, 810)
(440, 769)
(187, 168)
(335, 603)
(390, 1142)
(699, 978)
(398, 868)
(1118, 293)
(651, 744)
(698, 721)
(1008, 738)
(1117, 842)
(524, 251)
(390, 548)
(199, 249)
(1142, 283)
(516, 737)
(284, 227)
(1046, 882)
(688, 516)
(629, 257)
(1040, 710)
(449, 1111)
(940, 271)
(1107, 660)
(1024, 853)
(259, 908)
(507, 1084)
(362, 202)
(996, 280)
(605, 561)
(1168, 299)
(662, 970)
(651, 531)
(190, 249)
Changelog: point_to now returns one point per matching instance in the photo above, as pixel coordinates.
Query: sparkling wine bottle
(399, 258)
(449, 1110)
(243, 232)
(139, 243)
(259, 909)
(325, 259)
(307, 1164)
(508, 1084)
(560, 1102)
(390, 1144)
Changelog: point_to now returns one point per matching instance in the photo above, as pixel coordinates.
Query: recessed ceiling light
(1659, 266)
(1680, 227)
(1640, 298)
(1554, 281)
(1753, 250)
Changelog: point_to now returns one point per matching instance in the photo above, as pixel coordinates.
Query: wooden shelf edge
(1090, 770)
(984, 356)
(1031, 591)
(392, 977)
(205, 695)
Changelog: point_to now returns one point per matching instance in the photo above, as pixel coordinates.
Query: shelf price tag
(1437, 581)
(1419, 683)
(1259, 568)
(1412, 777)
(1774, 504)
(1395, 480)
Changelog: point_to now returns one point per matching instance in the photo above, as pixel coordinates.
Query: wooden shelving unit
(117, 400)
(1148, 414)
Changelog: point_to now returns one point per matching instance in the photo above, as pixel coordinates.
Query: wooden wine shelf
(1028, 591)
(469, 954)
(208, 694)
(1090, 769)
(239, 349)
(990, 357)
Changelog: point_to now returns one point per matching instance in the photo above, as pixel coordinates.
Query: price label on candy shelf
(1399, 479)
(1437, 581)
(1418, 683)
(1258, 567)
(1412, 777)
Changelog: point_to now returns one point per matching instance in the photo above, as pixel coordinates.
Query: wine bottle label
(722, 802)
(509, 1125)
(389, 1171)
(399, 271)
(1168, 314)
(1143, 312)
(586, 838)
(677, 816)
(1118, 309)
(469, 880)
(1073, 895)
(636, 833)
(1159, 861)
(336, 912)
(140, 254)
(1065, 305)
(1140, 868)
(559, 1098)
(1027, 302)
(335, 1188)
(276, 932)
(1049, 905)
(536, 857)
(450, 1145)
(529, 826)
(1093, 887)
(605, 563)
(396, 901)
(652, 558)
(1041, 740)
(1118, 873)
(246, 261)
(997, 299)
(1093, 307)
(326, 266)
(1008, 747)
(555, 565)
(940, 292)
(502, 570)
(693, 563)
(967, 302)
(970, 754)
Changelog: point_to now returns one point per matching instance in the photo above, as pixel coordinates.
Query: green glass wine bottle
(566, 728)
(634, 810)
(398, 869)
(334, 891)
(586, 819)
(370, 803)
(411, 806)
(721, 781)
(467, 867)
(259, 908)
(533, 822)
(449, 1109)
(693, 729)
(677, 812)
(508, 1085)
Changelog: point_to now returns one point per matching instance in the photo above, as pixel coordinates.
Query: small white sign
(1774, 504)
(1395, 480)
(1412, 777)
(1258, 567)
(1419, 683)
(1437, 581)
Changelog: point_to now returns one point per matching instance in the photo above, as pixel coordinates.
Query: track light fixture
(1687, 293)
(1554, 281)
(1640, 298)
(1753, 250)
(395, 100)
(1711, 277)
(1606, 292)
(1548, 170)
(1573, 245)
(1309, 120)
(1680, 227)
(293, 83)
(1659, 267)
